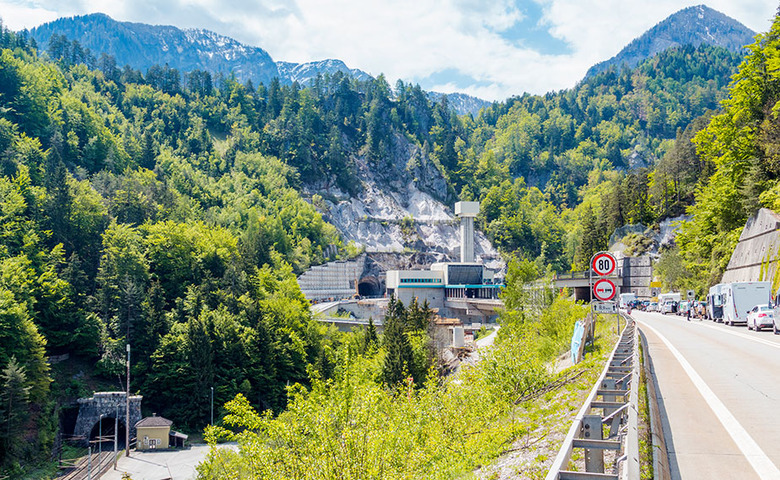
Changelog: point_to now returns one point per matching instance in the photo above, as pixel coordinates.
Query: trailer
(740, 297)
(715, 303)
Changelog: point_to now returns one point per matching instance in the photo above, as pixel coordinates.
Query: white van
(626, 298)
(740, 297)
(715, 303)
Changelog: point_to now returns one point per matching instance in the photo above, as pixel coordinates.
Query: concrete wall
(635, 274)
(434, 296)
(755, 257)
(332, 280)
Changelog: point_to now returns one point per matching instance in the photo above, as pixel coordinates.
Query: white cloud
(18, 16)
(411, 39)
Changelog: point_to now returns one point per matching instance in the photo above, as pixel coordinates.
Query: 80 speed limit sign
(603, 264)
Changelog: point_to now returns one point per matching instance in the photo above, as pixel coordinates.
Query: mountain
(141, 46)
(690, 26)
(305, 73)
(461, 102)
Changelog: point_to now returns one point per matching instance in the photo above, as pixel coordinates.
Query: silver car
(759, 317)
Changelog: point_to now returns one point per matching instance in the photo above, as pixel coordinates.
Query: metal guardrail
(616, 395)
(572, 275)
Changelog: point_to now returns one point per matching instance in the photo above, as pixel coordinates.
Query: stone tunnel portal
(370, 286)
(109, 405)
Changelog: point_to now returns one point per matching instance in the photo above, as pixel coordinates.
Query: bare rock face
(404, 206)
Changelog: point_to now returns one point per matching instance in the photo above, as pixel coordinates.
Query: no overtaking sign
(604, 290)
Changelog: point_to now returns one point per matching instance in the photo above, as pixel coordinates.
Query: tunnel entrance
(370, 287)
(105, 427)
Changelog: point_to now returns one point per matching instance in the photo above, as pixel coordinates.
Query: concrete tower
(467, 211)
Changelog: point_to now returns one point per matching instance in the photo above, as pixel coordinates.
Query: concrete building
(456, 289)
(153, 433)
(422, 284)
(467, 212)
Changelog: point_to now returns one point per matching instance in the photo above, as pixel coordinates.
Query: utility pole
(212, 407)
(127, 406)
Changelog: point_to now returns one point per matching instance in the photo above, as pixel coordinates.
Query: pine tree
(399, 356)
(370, 338)
(14, 396)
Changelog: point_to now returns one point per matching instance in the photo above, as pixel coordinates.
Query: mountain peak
(690, 26)
(141, 46)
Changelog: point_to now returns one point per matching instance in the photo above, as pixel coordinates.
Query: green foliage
(353, 427)
(671, 268)
(740, 143)
(409, 356)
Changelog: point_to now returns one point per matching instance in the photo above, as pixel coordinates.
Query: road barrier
(611, 452)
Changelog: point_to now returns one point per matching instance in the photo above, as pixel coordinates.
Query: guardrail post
(592, 430)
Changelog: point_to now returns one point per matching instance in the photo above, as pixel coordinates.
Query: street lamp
(212, 406)
(100, 435)
(127, 406)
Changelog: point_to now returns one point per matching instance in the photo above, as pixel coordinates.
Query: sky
(491, 49)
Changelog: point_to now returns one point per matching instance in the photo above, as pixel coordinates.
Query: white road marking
(749, 448)
(744, 335)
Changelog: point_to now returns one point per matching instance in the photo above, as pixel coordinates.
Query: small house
(153, 433)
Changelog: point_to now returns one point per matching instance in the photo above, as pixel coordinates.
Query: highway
(719, 395)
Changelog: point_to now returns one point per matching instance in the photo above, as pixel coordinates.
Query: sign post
(603, 265)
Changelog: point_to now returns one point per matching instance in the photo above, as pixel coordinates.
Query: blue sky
(490, 49)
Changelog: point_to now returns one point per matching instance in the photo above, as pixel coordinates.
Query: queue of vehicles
(737, 303)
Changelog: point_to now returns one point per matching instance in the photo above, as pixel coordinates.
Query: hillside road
(718, 389)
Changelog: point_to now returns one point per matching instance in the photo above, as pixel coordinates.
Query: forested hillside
(742, 145)
(163, 209)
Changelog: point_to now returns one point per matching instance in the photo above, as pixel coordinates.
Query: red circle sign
(604, 290)
(603, 264)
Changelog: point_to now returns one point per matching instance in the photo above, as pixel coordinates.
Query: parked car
(683, 307)
(652, 307)
(669, 306)
(759, 317)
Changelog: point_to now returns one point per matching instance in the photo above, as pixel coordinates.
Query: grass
(546, 420)
(645, 437)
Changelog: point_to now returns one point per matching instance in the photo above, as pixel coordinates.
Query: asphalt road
(162, 464)
(719, 394)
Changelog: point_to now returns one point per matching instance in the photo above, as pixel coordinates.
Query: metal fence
(605, 428)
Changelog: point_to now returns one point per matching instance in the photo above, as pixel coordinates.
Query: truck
(740, 297)
(715, 303)
(626, 298)
(668, 302)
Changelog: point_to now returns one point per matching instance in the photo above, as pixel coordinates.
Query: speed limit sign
(604, 290)
(603, 264)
